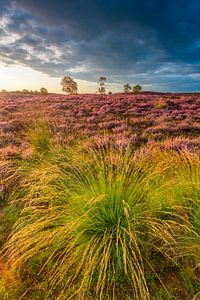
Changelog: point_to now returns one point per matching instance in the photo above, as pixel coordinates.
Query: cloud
(153, 43)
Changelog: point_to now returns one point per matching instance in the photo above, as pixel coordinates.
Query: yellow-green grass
(94, 218)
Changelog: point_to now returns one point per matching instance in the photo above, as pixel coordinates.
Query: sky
(149, 42)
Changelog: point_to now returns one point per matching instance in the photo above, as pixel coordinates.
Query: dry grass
(94, 216)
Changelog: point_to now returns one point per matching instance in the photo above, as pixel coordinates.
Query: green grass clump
(95, 222)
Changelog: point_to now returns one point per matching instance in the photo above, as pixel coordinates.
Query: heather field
(135, 119)
(100, 196)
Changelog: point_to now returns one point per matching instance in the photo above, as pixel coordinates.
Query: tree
(25, 91)
(43, 91)
(137, 88)
(102, 81)
(69, 86)
(127, 88)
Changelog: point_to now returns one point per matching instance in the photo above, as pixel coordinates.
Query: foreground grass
(103, 223)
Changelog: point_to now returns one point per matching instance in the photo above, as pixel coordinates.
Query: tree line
(42, 91)
(70, 87)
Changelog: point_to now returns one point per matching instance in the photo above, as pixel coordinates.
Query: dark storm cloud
(4, 5)
(152, 42)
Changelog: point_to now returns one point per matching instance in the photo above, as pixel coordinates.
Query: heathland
(100, 196)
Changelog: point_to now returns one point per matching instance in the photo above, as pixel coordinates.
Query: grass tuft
(93, 219)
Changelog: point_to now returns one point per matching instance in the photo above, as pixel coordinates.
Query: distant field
(132, 118)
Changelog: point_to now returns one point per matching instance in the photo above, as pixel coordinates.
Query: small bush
(160, 105)
(137, 88)
(43, 91)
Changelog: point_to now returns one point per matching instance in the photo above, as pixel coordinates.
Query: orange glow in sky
(18, 77)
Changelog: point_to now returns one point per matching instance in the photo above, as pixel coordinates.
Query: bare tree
(127, 88)
(69, 86)
(102, 81)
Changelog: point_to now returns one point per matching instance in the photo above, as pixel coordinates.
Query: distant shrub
(25, 91)
(160, 105)
(43, 91)
(109, 93)
(137, 88)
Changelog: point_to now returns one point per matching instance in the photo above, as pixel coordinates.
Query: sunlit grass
(93, 217)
